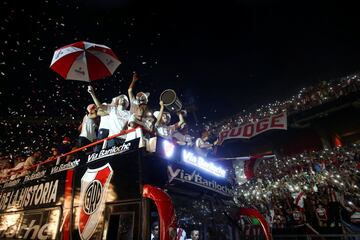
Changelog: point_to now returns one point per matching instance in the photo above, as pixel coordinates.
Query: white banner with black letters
(249, 130)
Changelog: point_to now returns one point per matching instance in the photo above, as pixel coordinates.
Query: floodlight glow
(168, 148)
(201, 163)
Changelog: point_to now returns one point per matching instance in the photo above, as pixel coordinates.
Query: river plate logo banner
(94, 186)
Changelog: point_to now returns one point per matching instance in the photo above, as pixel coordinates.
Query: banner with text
(250, 130)
(186, 176)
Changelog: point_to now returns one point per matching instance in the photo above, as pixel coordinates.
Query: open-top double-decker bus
(118, 193)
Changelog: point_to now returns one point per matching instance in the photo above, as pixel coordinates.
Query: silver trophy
(171, 101)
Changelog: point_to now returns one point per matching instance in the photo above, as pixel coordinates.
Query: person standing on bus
(202, 146)
(35, 158)
(138, 104)
(118, 115)
(104, 126)
(162, 127)
(88, 127)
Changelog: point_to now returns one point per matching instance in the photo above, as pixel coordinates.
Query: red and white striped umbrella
(84, 61)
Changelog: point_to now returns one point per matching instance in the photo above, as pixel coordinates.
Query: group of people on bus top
(116, 117)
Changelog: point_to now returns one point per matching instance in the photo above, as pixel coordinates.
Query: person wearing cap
(118, 115)
(138, 105)
(65, 145)
(88, 127)
(162, 127)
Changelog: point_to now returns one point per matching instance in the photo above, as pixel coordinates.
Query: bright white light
(168, 148)
(201, 163)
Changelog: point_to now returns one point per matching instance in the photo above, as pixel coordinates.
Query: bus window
(202, 215)
(154, 222)
(122, 221)
(121, 226)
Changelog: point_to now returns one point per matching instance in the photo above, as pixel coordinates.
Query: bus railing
(130, 133)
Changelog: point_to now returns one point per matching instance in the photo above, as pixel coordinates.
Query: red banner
(250, 130)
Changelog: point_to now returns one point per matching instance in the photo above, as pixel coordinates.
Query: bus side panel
(31, 206)
(107, 198)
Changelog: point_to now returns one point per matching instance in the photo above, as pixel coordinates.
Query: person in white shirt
(202, 146)
(162, 127)
(88, 127)
(138, 105)
(104, 126)
(118, 116)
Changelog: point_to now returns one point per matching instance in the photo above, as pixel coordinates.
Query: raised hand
(135, 77)
(90, 90)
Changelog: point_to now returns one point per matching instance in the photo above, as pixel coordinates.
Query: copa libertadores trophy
(171, 101)
(173, 104)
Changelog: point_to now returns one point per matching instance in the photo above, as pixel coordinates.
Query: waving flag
(299, 198)
(245, 167)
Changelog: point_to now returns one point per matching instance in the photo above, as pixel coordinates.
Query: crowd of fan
(318, 188)
(305, 99)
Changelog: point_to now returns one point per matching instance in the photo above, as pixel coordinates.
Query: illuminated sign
(168, 148)
(201, 163)
(194, 177)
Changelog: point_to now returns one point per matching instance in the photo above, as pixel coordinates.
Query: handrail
(51, 159)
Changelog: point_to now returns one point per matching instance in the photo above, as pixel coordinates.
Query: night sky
(219, 56)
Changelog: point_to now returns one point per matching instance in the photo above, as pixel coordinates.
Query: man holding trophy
(169, 100)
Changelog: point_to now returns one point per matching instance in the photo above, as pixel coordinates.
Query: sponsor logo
(35, 195)
(196, 179)
(201, 163)
(109, 152)
(94, 185)
(34, 176)
(92, 197)
(31, 231)
(168, 148)
(65, 166)
(12, 183)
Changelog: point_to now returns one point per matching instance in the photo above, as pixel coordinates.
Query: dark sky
(221, 55)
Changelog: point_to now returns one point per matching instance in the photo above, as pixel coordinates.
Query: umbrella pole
(89, 85)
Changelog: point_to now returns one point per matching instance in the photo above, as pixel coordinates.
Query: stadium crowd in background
(306, 98)
(312, 187)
